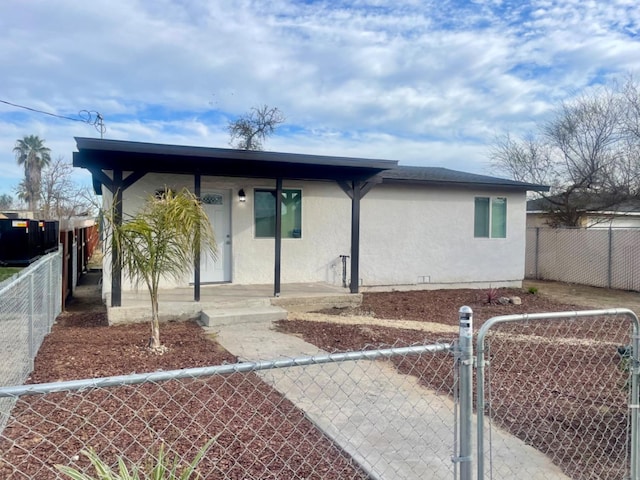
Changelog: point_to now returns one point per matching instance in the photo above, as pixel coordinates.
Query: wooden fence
(79, 241)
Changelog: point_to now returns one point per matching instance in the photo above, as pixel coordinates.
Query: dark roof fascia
(470, 185)
(443, 177)
(150, 157)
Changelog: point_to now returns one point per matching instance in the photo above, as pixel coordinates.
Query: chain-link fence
(338, 416)
(561, 384)
(29, 304)
(557, 397)
(607, 258)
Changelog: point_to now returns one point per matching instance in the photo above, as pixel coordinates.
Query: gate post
(465, 315)
(634, 402)
(32, 316)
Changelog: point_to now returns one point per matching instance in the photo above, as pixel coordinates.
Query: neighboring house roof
(444, 176)
(97, 155)
(586, 203)
(18, 214)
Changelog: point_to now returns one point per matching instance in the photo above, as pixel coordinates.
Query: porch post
(196, 262)
(355, 236)
(116, 262)
(278, 238)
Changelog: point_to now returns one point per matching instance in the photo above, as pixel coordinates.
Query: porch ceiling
(98, 154)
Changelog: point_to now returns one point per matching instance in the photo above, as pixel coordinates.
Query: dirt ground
(264, 435)
(591, 297)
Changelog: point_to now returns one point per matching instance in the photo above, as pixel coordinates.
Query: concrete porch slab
(230, 302)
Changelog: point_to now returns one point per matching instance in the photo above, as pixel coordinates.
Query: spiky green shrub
(160, 467)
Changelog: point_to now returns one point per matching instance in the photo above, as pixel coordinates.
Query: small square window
(265, 213)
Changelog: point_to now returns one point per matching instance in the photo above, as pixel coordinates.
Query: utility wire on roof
(89, 117)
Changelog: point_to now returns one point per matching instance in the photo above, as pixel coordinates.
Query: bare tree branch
(6, 201)
(588, 153)
(61, 196)
(251, 130)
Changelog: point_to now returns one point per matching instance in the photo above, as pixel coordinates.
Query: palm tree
(31, 152)
(22, 192)
(162, 240)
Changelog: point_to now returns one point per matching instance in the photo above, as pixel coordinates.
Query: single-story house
(15, 214)
(590, 210)
(399, 226)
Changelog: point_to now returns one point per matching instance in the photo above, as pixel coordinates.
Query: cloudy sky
(425, 82)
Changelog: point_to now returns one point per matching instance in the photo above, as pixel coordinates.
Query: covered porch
(117, 166)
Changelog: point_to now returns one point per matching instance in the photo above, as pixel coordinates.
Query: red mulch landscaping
(557, 385)
(560, 383)
(259, 434)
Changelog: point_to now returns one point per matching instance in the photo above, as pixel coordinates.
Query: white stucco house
(401, 227)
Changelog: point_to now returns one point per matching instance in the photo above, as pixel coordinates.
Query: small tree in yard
(162, 241)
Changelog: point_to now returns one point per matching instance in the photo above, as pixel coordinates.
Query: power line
(90, 117)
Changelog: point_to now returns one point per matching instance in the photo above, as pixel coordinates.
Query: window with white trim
(490, 217)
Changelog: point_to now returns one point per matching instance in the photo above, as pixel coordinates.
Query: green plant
(160, 468)
(34, 156)
(6, 272)
(162, 240)
(532, 290)
(491, 296)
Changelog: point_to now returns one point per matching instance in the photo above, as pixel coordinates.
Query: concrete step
(312, 303)
(235, 316)
(235, 302)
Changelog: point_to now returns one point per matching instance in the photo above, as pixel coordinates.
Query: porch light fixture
(241, 195)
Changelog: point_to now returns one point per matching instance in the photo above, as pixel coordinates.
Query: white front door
(216, 204)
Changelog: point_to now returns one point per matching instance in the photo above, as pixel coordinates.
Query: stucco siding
(133, 199)
(418, 235)
(315, 257)
(410, 235)
(326, 224)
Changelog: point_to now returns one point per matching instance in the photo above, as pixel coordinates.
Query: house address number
(212, 199)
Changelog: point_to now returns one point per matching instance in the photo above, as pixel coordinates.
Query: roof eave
(475, 185)
(151, 149)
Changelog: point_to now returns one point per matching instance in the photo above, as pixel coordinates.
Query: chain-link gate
(561, 388)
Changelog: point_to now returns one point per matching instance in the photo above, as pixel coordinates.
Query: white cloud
(423, 81)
